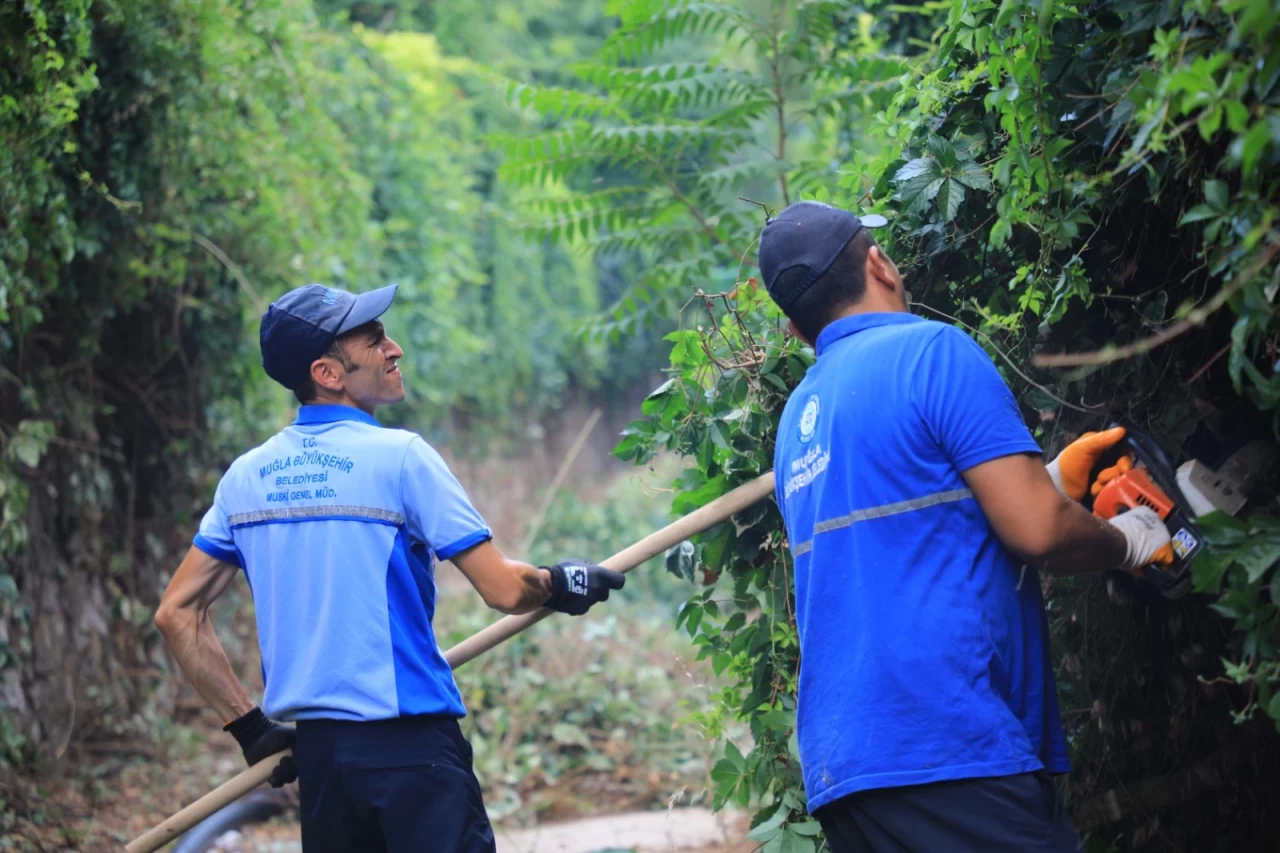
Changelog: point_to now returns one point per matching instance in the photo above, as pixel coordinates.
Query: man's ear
(795, 331)
(881, 270)
(327, 373)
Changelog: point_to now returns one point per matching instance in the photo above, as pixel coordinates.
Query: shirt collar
(328, 413)
(854, 323)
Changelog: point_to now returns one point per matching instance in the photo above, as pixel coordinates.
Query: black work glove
(261, 738)
(576, 585)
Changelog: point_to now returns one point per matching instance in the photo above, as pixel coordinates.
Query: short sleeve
(966, 404)
(437, 510)
(214, 536)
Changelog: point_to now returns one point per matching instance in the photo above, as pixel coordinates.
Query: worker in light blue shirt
(918, 511)
(337, 523)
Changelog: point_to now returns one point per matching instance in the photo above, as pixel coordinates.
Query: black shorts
(1022, 813)
(391, 786)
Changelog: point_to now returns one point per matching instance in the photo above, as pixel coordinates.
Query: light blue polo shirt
(924, 644)
(337, 522)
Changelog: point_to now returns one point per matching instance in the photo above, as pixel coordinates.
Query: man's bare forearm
(1082, 544)
(533, 585)
(509, 586)
(195, 645)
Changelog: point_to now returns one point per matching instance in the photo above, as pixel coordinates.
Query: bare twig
(1195, 317)
(87, 447)
(1086, 409)
(780, 102)
(232, 267)
(578, 443)
(1210, 363)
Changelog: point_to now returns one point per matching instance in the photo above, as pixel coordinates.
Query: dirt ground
(675, 831)
(100, 796)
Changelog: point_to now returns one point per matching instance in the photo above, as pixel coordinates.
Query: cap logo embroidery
(330, 296)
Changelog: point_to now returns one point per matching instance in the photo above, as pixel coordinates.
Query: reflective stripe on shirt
(881, 512)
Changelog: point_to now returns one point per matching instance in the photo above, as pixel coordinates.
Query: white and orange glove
(1146, 537)
(1070, 470)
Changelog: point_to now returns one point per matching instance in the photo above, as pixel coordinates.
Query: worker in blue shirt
(919, 511)
(337, 523)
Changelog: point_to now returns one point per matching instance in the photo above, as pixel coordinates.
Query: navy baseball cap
(301, 325)
(810, 235)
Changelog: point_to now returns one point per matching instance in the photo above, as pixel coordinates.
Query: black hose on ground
(257, 807)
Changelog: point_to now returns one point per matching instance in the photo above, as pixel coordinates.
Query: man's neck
(876, 304)
(343, 400)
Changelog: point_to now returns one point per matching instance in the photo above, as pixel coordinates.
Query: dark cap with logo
(300, 326)
(809, 235)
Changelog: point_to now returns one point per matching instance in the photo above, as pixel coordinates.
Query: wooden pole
(471, 648)
(220, 797)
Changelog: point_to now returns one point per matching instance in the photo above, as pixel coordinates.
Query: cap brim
(369, 306)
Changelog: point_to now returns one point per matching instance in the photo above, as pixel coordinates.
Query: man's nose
(392, 349)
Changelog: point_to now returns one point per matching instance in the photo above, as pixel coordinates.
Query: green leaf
(1209, 568)
(1273, 707)
(720, 435)
(1199, 212)
(943, 151)
(1226, 610)
(733, 754)
(25, 450)
(918, 192)
(1209, 122)
(725, 771)
(770, 829)
(1008, 8)
(1259, 555)
(793, 843)
(695, 619)
(973, 176)
(1222, 530)
(917, 168)
(1237, 116)
(950, 196)
(783, 721)
(776, 381)
(1215, 193)
(1046, 18)
(1254, 142)
(808, 827)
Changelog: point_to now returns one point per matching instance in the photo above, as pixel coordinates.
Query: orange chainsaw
(1147, 478)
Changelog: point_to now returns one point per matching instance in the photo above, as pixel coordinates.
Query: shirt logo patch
(809, 418)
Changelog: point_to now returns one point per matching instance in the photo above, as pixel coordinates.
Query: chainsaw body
(1152, 482)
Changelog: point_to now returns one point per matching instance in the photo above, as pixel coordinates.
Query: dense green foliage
(168, 168)
(1058, 176)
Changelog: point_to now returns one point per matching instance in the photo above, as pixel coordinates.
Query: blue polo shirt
(924, 644)
(337, 522)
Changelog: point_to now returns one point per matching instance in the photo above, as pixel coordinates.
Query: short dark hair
(306, 391)
(842, 285)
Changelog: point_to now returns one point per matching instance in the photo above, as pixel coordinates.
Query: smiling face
(368, 374)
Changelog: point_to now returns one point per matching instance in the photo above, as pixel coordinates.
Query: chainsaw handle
(1147, 453)
(1108, 459)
